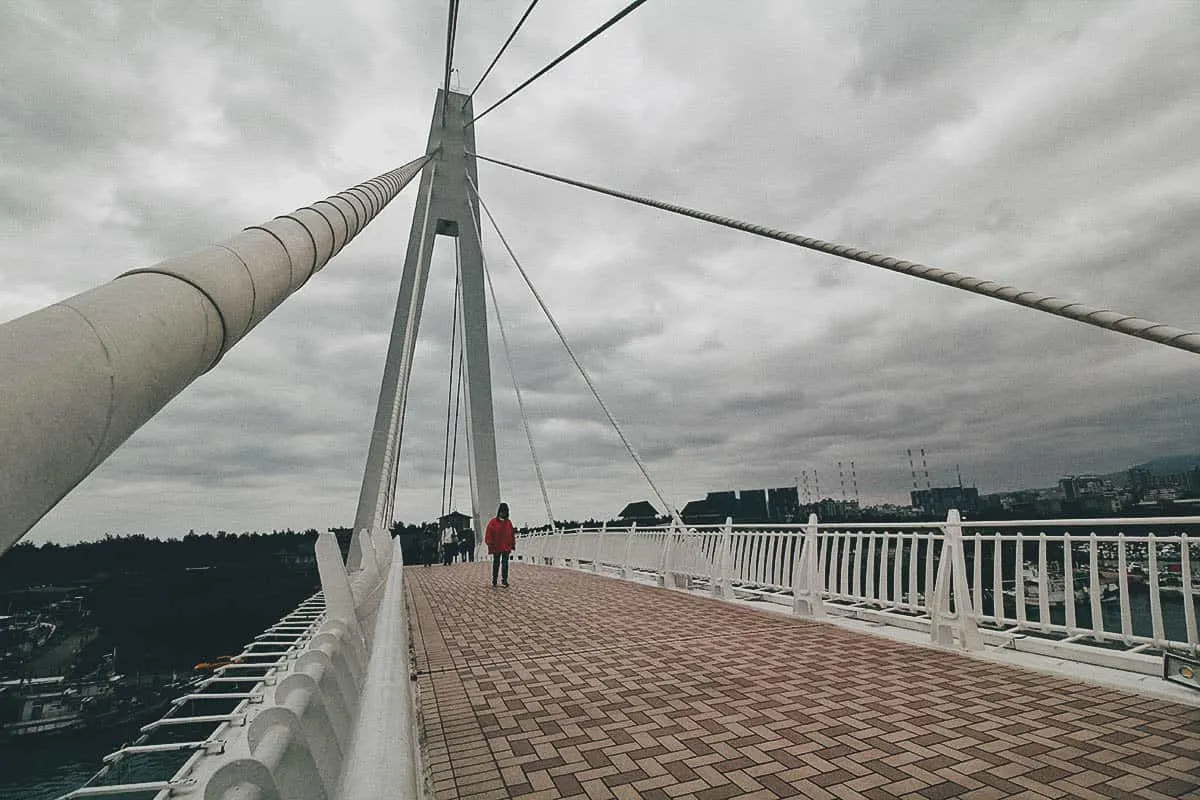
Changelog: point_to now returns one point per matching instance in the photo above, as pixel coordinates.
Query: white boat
(1056, 587)
(34, 706)
(1171, 583)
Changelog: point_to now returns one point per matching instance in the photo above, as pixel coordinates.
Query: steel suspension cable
(1079, 312)
(503, 47)
(451, 30)
(451, 375)
(460, 383)
(579, 45)
(457, 415)
(583, 372)
(459, 380)
(401, 401)
(466, 434)
(512, 371)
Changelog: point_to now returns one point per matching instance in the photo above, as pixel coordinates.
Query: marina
(40, 708)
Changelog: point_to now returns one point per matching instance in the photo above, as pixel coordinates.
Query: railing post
(664, 567)
(720, 584)
(626, 569)
(951, 585)
(369, 562)
(1043, 583)
(599, 547)
(570, 549)
(556, 552)
(1156, 615)
(1094, 587)
(806, 578)
(335, 583)
(573, 547)
(1123, 585)
(1189, 608)
(384, 549)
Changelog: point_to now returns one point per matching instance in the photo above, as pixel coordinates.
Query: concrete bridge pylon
(444, 207)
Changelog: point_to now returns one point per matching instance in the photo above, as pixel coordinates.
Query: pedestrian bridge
(571, 684)
(681, 661)
(697, 664)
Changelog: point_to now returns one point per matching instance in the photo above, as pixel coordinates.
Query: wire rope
(457, 414)
(503, 47)
(579, 366)
(512, 371)
(451, 31)
(1101, 318)
(450, 376)
(463, 387)
(578, 45)
(396, 428)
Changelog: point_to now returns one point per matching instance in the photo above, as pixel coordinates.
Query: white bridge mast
(444, 207)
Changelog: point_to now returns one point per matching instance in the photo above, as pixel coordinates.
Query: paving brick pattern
(571, 685)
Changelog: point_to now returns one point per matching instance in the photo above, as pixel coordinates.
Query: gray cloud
(908, 45)
(1050, 146)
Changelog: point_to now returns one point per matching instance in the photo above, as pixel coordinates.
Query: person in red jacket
(501, 541)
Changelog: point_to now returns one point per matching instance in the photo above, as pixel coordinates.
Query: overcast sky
(1052, 146)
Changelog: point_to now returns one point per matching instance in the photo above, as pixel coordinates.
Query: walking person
(466, 544)
(501, 540)
(449, 546)
(429, 546)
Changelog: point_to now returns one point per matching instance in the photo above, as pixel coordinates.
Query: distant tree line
(27, 565)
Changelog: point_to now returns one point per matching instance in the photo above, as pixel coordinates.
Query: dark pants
(500, 566)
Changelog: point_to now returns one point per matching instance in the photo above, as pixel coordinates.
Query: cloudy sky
(1049, 146)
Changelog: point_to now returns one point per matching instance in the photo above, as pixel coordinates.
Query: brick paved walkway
(571, 685)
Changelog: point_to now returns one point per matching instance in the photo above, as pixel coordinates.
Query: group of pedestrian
(454, 544)
(500, 538)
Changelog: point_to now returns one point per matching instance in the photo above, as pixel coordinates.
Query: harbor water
(46, 768)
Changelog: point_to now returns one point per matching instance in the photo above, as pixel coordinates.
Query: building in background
(783, 504)
(723, 504)
(752, 505)
(1075, 487)
(640, 512)
(938, 500)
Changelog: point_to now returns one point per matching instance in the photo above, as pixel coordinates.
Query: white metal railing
(1131, 583)
(1110, 580)
(303, 712)
(128, 770)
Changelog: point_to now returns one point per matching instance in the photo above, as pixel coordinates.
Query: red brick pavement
(570, 685)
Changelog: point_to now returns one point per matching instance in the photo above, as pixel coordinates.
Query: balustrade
(325, 711)
(1126, 582)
